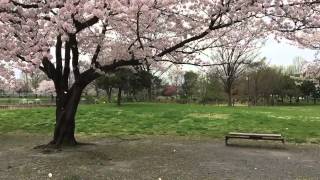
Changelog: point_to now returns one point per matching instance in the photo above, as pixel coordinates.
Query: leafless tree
(233, 60)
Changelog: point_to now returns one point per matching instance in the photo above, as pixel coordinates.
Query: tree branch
(75, 56)
(66, 71)
(80, 26)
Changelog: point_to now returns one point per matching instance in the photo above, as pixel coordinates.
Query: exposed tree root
(48, 148)
(52, 147)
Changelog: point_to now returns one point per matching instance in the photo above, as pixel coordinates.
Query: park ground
(151, 158)
(167, 141)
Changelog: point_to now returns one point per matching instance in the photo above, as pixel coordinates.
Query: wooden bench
(254, 136)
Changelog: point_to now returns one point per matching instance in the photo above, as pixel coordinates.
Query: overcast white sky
(283, 53)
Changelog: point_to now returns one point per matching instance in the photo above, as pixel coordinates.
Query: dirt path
(157, 157)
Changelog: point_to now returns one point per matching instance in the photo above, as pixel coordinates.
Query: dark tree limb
(75, 56)
(80, 26)
(26, 6)
(59, 55)
(49, 68)
(98, 49)
(66, 70)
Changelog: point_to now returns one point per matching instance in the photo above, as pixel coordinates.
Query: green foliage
(211, 89)
(190, 85)
(288, 87)
(297, 124)
(143, 79)
(316, 93)
(307, 88)
(270, 85)
(132, 82)
(105, 82)
(119, 79)
(122, 78)
(157, 85)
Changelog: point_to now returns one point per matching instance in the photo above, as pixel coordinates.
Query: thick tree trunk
(256, 92)
(66, 109)
(267, 100)
(272, 100)
(52, 98)
(229, 97)
(97, 91)
(134, 94)
(228, 90)
(109, 93)
(119, 96)
(149, 93)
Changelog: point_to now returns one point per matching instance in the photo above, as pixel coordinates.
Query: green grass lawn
(298, 124)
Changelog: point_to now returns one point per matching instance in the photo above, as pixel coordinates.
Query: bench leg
(226, 140)
(282, 141)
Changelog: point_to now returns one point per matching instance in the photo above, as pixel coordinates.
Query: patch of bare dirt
(157, 157)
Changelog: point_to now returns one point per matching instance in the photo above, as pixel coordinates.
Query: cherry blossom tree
(301, 26)
(35, 77)
(7, 78)
(20, 86)
(55, 36)
(46, 87)
(311, 71)
(150, 71)
(299, 23)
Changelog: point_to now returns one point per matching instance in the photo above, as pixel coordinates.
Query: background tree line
(252, 82)
(259, 84)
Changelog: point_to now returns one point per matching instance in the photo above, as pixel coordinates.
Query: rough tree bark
(109, 94)
(272, 100)
(66, 108)
(228, 90)
(150, 93)
(229, 98)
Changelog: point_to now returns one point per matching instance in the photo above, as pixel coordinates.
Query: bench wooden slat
(258, 137)
(254, 134)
